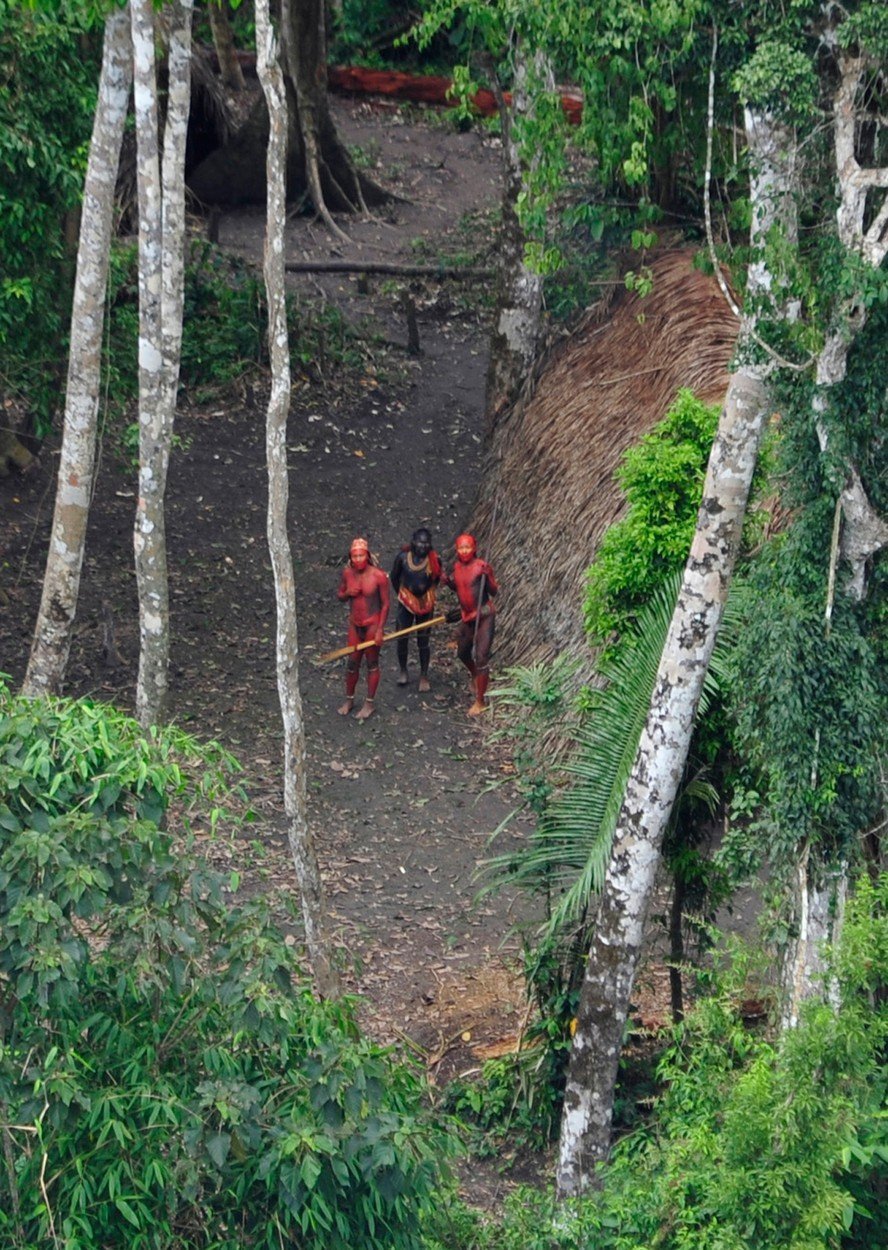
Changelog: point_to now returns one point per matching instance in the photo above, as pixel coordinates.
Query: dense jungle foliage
(167, 1079)
(166, 1076)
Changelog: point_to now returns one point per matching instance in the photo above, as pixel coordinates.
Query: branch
(867, 177)
(875, 243)
(748, 329)
(707, 181)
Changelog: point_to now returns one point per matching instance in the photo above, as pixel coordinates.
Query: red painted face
(466, 548)
(359, 555)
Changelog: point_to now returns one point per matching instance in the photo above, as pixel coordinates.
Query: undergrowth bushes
(47, 97)
(167, 1079)
(224, 326)
(755, 1143)
(662, 477)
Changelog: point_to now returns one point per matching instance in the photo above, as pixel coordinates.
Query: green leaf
(218, 1147)
(127, 1212)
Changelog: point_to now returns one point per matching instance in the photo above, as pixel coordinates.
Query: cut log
(386, 267)
(429, 89)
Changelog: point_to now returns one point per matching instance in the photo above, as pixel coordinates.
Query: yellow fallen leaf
(358, 453)
(467, 1036)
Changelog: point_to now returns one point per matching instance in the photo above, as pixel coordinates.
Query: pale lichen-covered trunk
(295, 796)
(821, 888)
(179, 16)
(653, 784)
(515, 337)
(820, 894)
(61, 582)
(864, 532)
(662, 750)
(161, 268)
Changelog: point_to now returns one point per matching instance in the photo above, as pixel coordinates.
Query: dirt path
(399, 802)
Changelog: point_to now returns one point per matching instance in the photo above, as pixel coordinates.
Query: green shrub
(663, 480)
(223, 329)
(515, 1103)
(756, 1143)
(167, 1079)
(48, 72)
(754, 1138)
(225, 325)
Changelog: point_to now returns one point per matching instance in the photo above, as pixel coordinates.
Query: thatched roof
(550, 472)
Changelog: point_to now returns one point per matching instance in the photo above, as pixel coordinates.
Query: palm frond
(570, 849)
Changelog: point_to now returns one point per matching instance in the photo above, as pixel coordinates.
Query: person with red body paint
(365, 588)
(475, 586)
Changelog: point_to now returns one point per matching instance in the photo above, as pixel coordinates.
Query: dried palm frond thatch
(551, 462)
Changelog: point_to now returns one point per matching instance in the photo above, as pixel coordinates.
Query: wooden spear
(362, 646)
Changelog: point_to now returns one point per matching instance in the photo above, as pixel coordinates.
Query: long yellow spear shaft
(362, 646)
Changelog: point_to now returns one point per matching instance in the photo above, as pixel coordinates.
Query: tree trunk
(161, 268)
(317, 161)
(295, 796)
(663, 748)
(820, 891)
(179, 15)
(223, 41)
(513, 343)
(662, 751)
(864, 531)
(676, 947)
(61, 582)
(820, 906)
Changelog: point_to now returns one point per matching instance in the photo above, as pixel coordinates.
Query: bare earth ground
(400, 803)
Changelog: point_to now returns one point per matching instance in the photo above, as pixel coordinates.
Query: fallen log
(414, 88)
(429, 89)
(388, 267)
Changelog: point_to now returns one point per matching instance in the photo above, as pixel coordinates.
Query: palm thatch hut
(551, 460)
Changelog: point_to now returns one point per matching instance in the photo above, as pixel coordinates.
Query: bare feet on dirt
(403, 678)
(366, 711)
(346, 707)
(424, 686)
(477, 708)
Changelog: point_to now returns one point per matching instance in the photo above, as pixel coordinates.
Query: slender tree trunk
(663, 748)
(149, 535)
(676, 948)
(179, 15)
(223, 41)
(61, 582)
(514, 341)
(161, 269)
(295, 797)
